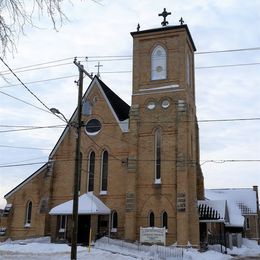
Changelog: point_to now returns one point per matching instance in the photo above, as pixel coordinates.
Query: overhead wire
(26, 128)
(105, 58)
(23, 147)
(25, 102)
(29, 89)
(140, 160)
(32, 128)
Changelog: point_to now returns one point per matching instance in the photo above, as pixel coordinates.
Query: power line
(229, 50)
(39, 64)
(32, 128)
(23, 147)
(39, 68)
(22, 164)
(231, 160)
(39, 81)
(28, 88)
(149, 160)
(25, 102)
(228, 65)
(105, 58)
(26, 128)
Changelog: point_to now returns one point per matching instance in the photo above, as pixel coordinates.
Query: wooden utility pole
(77, 163)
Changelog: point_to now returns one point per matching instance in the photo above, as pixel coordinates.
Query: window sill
(157, 181)
(113, 230)
(103, 192)
(62, 230)
(27, 225)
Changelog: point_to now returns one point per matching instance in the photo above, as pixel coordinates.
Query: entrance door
(83, 229)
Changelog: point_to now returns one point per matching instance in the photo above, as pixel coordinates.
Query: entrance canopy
(89, 204)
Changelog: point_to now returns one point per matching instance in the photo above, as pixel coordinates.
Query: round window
(93, 127)
(151, 105)
(165, 103)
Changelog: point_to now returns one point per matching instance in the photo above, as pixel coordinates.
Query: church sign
(153, 235)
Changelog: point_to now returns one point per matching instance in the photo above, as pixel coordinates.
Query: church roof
(120, 107)
(36, 173)
(165, 28)
(89, 204)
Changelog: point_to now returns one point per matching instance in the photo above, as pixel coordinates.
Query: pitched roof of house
(120, 107)
(244, 198)
(89, 204)
(36, 173)
(212, 210)
(239, 202)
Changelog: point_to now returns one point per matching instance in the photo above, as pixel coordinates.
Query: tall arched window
(158, 63)
(80, 169)
(91, 170)
(28, 214)
(104, 172)
(188, 69)
(164, 219)
(157, 151)
(151, 219)
(114, 221)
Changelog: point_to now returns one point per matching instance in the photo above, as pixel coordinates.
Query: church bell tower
(164, 180)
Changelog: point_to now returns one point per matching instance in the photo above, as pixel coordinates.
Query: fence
(134, 249)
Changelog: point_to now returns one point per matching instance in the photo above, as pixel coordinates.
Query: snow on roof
(217, 205)
(244, 198)
(88, 204)
(239, 201)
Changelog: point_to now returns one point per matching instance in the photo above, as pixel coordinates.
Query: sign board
(181, 202)
(153, 235)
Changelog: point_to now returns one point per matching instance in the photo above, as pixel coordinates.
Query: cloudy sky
(101, 32)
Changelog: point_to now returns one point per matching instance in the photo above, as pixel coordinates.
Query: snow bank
(42, 249)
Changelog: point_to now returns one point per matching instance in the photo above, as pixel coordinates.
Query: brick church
(139, 163)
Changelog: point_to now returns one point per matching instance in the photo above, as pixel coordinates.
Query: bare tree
(16, 14)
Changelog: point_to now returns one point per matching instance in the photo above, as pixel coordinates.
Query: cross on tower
(164, 14)
(181, 21)
(98, 66)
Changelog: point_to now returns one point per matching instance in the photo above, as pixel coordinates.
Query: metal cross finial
(164, 14)
(138, 27)
(98, 66)
(181, 21)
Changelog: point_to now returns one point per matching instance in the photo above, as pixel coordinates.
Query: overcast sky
(99, 30)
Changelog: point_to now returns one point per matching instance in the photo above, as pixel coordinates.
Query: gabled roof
(212, 210)
(89, 204)
(244, 198)
(19, 186)
(235, 198)
(119, 108)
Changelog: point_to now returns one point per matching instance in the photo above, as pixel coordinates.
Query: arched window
(28, 214)
(114, 221)
(158, 63)
(80, 169)
(157, 151)
(151, 219)
(104, 172)
(91, 170)
(164, 219)
(188, 69)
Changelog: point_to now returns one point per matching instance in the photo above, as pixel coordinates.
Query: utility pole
(77, 163)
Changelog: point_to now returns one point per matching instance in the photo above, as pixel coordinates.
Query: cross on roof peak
(164, 14)
(98, 66)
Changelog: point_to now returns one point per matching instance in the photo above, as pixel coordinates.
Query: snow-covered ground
(41, 249)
